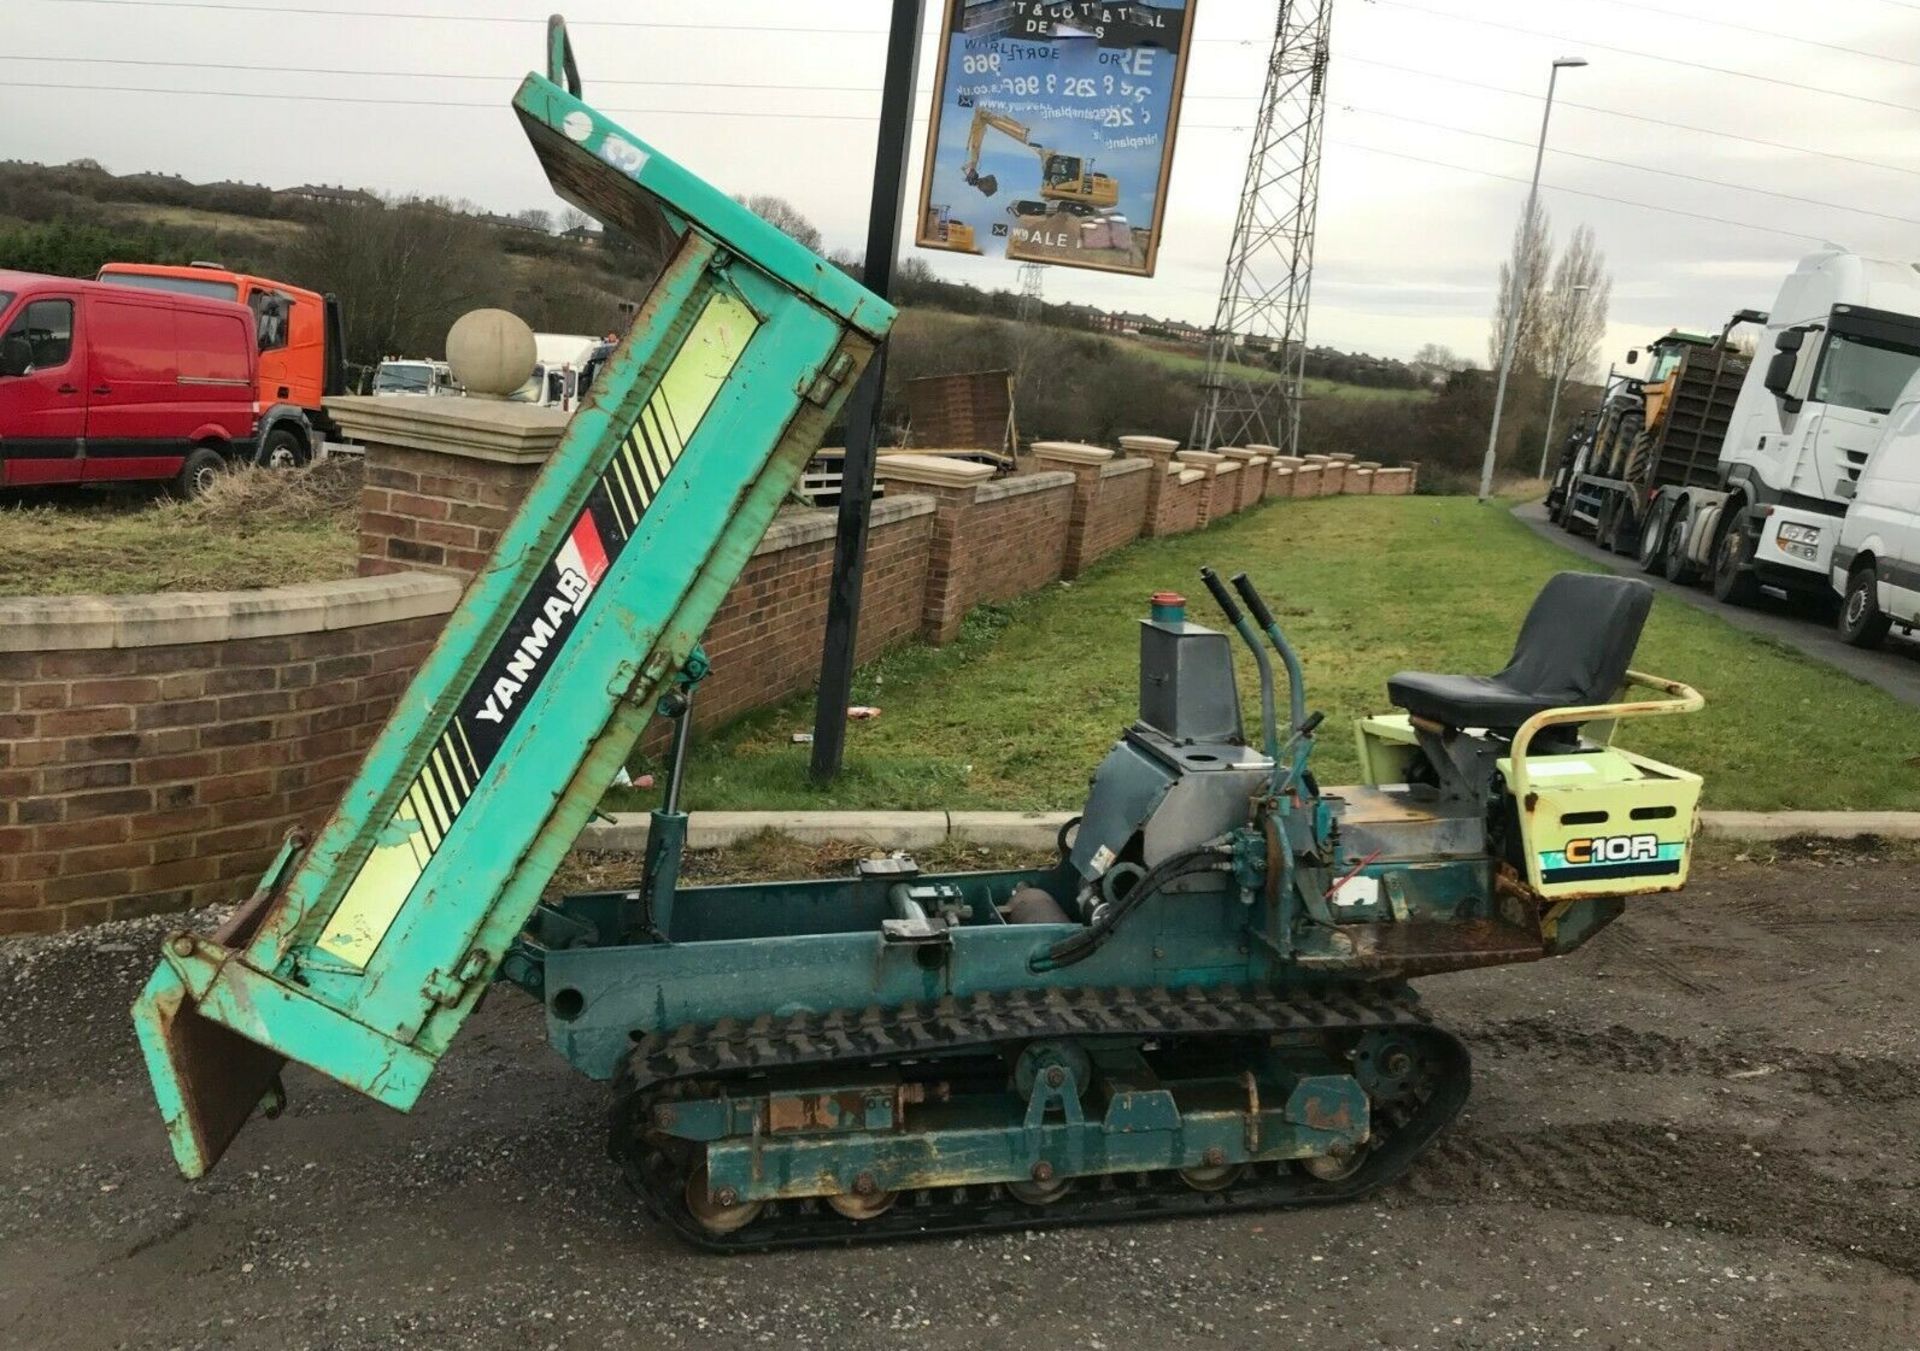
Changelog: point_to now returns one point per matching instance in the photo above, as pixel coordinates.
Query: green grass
(256, 528)
(937, 323)
(1016, 714)
(1195, 365)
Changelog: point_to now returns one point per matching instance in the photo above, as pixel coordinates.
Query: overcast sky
(1407, 250)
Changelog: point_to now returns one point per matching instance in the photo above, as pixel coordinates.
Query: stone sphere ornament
(491, 353)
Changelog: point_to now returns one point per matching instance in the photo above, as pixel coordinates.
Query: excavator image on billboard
(1067, 182)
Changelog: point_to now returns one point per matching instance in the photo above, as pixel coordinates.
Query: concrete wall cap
(1148, 443)
(1070, 452)
(1259, 449)
(1188, 476)
(164, 619)
(1201, 456)
(797, 527)
(1115, 468)
(1227, 467)
(1019, 485)
(939, 470)
(1317, 459)
(474, 429)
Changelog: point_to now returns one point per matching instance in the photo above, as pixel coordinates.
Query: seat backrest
(1579, 638)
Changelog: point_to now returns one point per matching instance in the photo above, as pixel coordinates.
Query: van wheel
(201, 471)
(1732, 583)
(284, 448)
(1862, 622)
(1652, 536)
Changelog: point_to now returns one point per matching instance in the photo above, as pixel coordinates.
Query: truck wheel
(202, 470)
(1673, 551)
(1731, 582)
(1603, 521)
(1862, 622)
(284, 448)
(1653, 535)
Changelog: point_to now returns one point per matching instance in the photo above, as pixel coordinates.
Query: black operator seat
(1574, 649)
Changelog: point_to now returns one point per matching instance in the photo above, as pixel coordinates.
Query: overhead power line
(1634, 165)
(470, 75)
(501, 104)
(1575, 192)
(1644, 55)
(250, 66)
(1668, 13)
(333, 12)
(426, 74)
(1562, 101)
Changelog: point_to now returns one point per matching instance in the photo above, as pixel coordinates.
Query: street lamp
(1559, 376)
(1520, 282)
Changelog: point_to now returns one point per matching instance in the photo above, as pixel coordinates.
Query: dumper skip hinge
(447, 989)
(825, 383)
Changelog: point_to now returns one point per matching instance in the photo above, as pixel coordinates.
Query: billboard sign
(1051, 139)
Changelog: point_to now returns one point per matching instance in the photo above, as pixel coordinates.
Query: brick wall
(1223, 494)
(1181, 498)
(154, 750)
(768, 637)
(1393, 482)
(992, 541)
(1116, 515)
(1253, 479)
(425, 511)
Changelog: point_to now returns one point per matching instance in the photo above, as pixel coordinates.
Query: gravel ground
(1703, 1130)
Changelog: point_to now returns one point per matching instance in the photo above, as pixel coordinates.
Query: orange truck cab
(299, 337)
(99, 384)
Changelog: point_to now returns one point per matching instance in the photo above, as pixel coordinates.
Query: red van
(104, 384)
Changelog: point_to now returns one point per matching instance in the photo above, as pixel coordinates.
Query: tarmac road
(1895, 668)
(1701, 1131)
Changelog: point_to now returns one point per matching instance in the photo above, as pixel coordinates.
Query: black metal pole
(863, 409)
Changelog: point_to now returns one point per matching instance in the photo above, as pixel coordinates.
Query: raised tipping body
(1200, 1004)
(365, 947)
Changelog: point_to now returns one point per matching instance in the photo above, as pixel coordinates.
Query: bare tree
(573, 218)
(1574, 320)
(403, 271)
(535, 219)
(1523, 287)
(1441, 357)
(784, 216)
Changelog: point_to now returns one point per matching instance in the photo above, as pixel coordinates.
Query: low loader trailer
(1202, 1004)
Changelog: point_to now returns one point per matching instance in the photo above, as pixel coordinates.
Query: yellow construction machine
(1067, 182)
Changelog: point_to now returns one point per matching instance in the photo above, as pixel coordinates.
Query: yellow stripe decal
(451, 774)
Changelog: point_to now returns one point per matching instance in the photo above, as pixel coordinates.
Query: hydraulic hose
(1084, 944)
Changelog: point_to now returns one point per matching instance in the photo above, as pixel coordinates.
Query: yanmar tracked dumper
(1200, 1005)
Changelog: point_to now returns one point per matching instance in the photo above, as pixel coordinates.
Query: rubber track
(987, 1024)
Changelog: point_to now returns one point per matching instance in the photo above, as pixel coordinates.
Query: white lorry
(1876, 560)
(1840, 345)
(560, 360)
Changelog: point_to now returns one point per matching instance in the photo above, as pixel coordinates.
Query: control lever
(1299, 744)
(1220, 595)
(1269, 723)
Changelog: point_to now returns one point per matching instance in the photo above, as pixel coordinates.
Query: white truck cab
(1876, 559)
(1841, 343)
(403, 376)
(560, 359)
